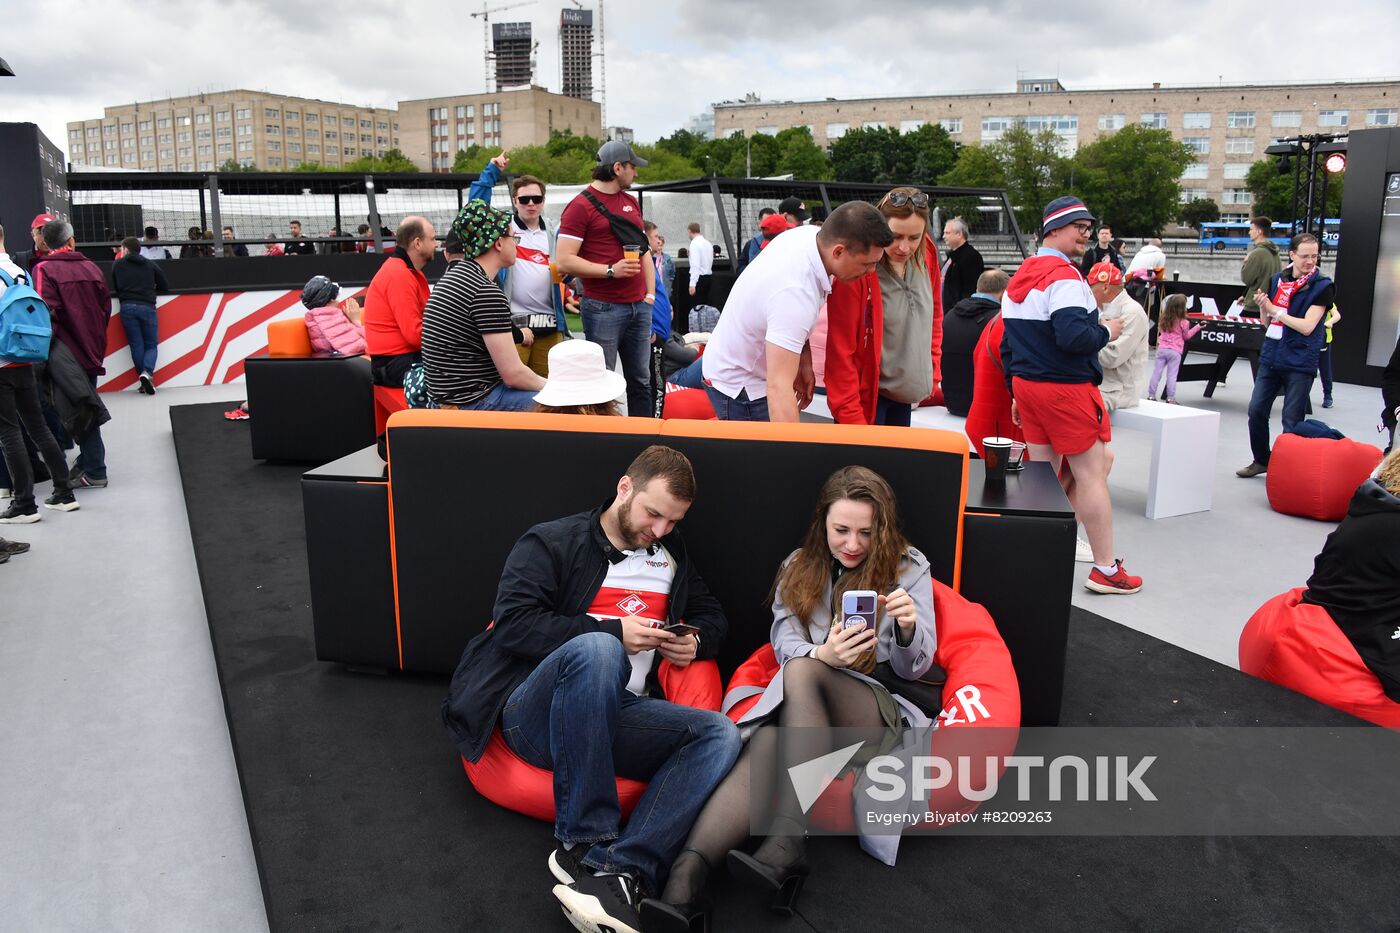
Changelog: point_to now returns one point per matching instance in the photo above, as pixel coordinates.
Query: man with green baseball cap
(469, 356)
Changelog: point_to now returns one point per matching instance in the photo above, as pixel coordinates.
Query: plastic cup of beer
(631, 252)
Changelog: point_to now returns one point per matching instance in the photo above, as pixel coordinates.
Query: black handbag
(926, 693)
(628, 234)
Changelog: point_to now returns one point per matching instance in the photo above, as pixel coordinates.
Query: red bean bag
(387, 400)
(1297, 645)
(687, 404)
(1315, 477)
(504, 778)
(981, 704)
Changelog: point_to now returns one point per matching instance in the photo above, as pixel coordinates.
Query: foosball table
(1229, 338)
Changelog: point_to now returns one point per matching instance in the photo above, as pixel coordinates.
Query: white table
(1182, 475)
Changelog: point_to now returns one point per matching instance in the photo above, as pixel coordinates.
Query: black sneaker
(74, 472)
(62, 501)
(85, 480)
(12, 547)
(14, 515)
(147, 386)
(601, 904)
(567, 865)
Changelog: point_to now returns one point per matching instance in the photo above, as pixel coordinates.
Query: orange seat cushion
(288, 338)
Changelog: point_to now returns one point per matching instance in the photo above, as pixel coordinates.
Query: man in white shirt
(758, 365)
(702, 265)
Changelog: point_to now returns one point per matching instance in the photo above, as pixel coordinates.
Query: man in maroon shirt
(596, 243)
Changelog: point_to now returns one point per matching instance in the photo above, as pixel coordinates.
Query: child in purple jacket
(1173, 331)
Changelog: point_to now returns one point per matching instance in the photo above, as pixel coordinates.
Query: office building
(201, 132)
(435, 128)
(576, 53)
(1228, 126)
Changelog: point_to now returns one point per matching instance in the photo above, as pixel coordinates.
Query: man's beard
(631, 537)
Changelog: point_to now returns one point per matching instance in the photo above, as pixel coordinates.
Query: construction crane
(601, 55)
(484, 13)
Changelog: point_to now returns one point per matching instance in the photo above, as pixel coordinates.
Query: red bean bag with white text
(981, 704)
(1315, 477)
(687, 404)
(504, 778)
(1297, 645)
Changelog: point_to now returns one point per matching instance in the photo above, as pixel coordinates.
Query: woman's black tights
(814, 696)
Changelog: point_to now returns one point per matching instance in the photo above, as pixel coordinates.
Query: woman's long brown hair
(804, 580)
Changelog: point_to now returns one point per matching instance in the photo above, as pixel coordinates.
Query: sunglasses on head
(530, 198)
(899, 199)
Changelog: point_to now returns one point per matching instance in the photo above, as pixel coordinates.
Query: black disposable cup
(996, 452)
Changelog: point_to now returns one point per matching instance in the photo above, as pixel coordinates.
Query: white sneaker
(4, 493)
(1083, 553)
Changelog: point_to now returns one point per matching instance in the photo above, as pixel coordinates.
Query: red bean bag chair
(504, 778)
(687, 404)
(981, 704)
(1297, 645)
(1315, 477)
(387, 400)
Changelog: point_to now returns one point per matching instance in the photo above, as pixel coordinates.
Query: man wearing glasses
(1050, 352)
(536, 298)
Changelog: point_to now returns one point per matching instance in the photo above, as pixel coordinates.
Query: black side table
(1018, 562)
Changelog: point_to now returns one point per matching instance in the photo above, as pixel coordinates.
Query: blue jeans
(573, 715)
(503, 398)
(624, 329)
(1324, 370)
(888, 411)
(139, 322)
(1267, 385)
(690, 377)
(92, 453)
(737, 409)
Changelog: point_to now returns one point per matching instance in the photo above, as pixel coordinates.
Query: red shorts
(1068, 417)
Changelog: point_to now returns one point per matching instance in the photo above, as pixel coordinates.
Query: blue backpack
(25, 329)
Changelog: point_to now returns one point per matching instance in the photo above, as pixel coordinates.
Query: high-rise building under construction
(512, 48)
(576, 53)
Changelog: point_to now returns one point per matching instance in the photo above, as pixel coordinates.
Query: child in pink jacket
(1173, 331)
(333, 328)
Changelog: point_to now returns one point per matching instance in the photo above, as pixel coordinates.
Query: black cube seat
(309, 409)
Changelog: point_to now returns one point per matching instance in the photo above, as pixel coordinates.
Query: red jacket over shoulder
(856, 321)
(393, 314)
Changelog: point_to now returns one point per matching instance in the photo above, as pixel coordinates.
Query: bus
(1219, 236)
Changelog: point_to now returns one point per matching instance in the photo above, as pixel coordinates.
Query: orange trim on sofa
(520, 420)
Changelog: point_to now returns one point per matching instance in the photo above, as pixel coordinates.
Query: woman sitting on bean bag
(853, 543)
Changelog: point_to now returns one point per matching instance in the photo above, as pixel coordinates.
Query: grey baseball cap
(618, 151)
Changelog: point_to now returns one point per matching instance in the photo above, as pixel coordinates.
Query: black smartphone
(681, 628)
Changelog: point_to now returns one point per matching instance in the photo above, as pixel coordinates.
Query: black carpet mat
(362, 819)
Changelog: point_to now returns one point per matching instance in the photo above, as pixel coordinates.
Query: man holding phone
(589, 611)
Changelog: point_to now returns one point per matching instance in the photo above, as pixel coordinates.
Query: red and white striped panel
(204, 339)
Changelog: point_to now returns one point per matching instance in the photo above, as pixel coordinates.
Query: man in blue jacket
(569, 671)
(1297, 299)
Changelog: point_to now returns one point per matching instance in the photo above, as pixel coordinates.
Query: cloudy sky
(666, 61)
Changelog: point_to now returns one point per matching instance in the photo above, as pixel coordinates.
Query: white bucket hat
(578, 375)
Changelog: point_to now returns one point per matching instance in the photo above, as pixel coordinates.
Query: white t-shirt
(529, 277)
(775, 301)
(702, 258)
(637, 585)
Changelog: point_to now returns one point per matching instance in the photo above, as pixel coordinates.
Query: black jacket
(1094, 255)
(1390, 387)
(965, 265)
(136, 279)
(676, 354)
(962, 326)
(71, 392)
(1356, 579)
(548, 583)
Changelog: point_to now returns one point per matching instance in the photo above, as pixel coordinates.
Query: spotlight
(1336, 162)
(1283, 165)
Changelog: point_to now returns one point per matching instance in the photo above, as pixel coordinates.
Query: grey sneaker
(74, 472)
(85, 480)
(1254, 469)
(14, 515)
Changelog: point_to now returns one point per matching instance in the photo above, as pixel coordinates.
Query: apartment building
(201, 132)
(1228, 126)
(434, 128)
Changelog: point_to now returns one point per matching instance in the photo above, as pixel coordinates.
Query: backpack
(25, 328)
(703, 319)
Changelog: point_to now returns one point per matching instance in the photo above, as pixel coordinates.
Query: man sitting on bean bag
(587, 611)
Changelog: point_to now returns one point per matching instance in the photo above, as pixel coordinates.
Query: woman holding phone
(852, 546)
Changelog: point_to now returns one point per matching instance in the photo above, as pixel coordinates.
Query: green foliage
(1273, 191)
(1130, 179)
(977, 167)
(663, 164)
(391, 161)
(883, 155)
(1199, 211)
(233, 165)
(800, 156)
(682, 143)
(1036, 172)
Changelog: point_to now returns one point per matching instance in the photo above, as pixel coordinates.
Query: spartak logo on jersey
(633, 605)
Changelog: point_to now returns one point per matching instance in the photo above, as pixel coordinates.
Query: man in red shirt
(598, 244)
(394, 301)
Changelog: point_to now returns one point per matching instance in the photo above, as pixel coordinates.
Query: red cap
(41, 219)
(774, 224)
(1105, 271)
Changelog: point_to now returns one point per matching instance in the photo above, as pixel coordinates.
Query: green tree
(800, 157)
(391, 161)
(1131, 178)
(1199, 211)
(663, 164)
(933, 154)
(682, 143)
(233, 165)
(1273, 191)
(977, 167)
(1036, 172)
(874, 155)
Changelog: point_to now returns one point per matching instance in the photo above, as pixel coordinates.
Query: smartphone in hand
(858, 606)
(681, 629)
